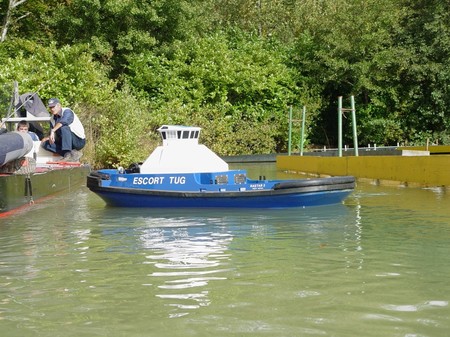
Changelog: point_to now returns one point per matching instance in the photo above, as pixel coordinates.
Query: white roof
(181, 153)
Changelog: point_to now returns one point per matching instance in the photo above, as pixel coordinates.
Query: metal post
(302, 136)
(340, 126)
(355, 136)
(290, 130)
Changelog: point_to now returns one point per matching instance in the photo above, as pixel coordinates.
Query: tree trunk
(8, 17)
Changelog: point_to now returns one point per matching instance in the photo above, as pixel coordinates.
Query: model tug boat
(184, 173)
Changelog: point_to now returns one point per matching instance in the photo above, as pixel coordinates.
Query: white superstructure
(181, 153)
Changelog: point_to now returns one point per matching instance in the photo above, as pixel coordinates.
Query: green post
(290, 130)
(355, 136)
(340, 126)
(302, 135)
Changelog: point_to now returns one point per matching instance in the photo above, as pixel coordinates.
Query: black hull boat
(29, 173)
(19, 191)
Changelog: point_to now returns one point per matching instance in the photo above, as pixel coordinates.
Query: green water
(379, 265)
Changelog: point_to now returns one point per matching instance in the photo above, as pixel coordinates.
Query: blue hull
(129, 190)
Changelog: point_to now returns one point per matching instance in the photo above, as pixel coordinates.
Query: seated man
(67, 135)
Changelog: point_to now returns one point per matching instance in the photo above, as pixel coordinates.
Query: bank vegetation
(234, 68)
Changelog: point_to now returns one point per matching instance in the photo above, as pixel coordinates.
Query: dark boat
(18, 191)
(183, 173)
(28, 172)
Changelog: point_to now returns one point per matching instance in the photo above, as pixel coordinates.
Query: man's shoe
(67, 157)
(76, 155)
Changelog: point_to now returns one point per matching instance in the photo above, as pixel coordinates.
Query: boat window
(179, 134)
(163, 135)
(171, 134)
(222, 179)
(239, 178)
(196, 134)
(185, 134)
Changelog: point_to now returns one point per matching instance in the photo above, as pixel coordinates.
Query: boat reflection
(186, 256)
(188, 252)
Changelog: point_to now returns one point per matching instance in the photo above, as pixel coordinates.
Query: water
(379, 265)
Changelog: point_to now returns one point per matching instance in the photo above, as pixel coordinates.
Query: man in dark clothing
(67, 135)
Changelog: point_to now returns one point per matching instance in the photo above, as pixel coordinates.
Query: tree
(7, 19)
(424, 82)
(232, 78)
(116, 29)
(348, 48)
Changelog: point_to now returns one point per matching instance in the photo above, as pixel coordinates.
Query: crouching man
(67, 135)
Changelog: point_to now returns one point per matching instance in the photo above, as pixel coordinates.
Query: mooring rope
(29, 189)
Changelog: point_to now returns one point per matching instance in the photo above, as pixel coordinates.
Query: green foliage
(122, 131)
(243, 80)
(348, 50)
(119, 29)
(247, 137)
(67, 72)
(381, 131)
(425, 80)
(234, 67)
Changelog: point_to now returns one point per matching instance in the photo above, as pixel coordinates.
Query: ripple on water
(183, 259)
(416, 307)
(307, 293)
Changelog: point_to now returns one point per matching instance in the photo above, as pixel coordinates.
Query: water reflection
(187, 250)
(190, 253)
(186, 257)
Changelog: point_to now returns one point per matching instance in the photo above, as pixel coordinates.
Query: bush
(122, 135)
(239, 82)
